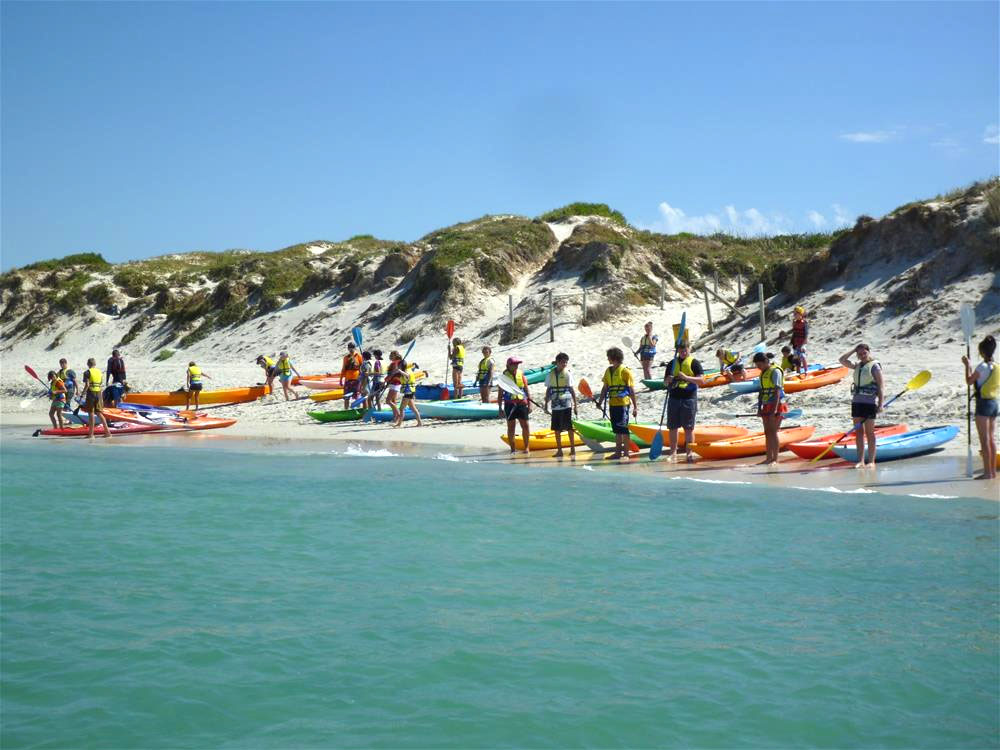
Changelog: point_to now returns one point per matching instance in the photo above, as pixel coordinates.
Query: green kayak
(341, 415)
(657, 385)
(600, 430)
(537, 374)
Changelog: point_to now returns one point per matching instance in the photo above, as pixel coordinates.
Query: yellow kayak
(541, 440)
(327, 395)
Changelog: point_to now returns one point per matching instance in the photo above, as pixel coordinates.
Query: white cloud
(840, 216)
(992, 134)
(730, 220)
(874, 136)
(817, 219)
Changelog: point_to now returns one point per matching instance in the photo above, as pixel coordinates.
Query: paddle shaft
(855, 428)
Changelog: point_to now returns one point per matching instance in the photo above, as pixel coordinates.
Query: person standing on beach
(771, 404)
(394, 382)
(193, 385)
(618, 392)
(456, 353)
(682, 378)
(986, 379)
(408, 392)
(350, 372)
(93, 382)
(57, 392)
(484, 374)
(116, 368)
(377, 381)
(270, 371)
(800, 336)
(866, 401)
(68, 377)
(285, 368)
(647, 350)
(560, 393)
(515, 409)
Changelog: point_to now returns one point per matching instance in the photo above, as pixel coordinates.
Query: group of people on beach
(367, 382)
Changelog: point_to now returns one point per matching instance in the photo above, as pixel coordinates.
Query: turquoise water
(222, 596)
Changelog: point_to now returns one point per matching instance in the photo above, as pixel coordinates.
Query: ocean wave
(357, 450)
(447, 457)
(711, 481)
(934, 496)
(838, 491)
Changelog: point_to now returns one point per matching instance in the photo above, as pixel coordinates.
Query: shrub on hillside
(585, 209)
(93, 261)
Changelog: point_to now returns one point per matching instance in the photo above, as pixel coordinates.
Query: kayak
(385, 414)
(117, 428)
(750, 445)
(656, 384)
(753, 385)
(216, 396)
(168, 422)
(321, 384)
(341, 415)
(540, 440)
(818, 379)
(460, 409)
(336, 376)
(815, 446)
(433, 392)
(903, 445)
(709, 433)
(331, 395)
(713, 381)
(600, 430)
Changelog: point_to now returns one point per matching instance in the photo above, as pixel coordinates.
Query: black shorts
(562, 419)
(457, 368)
(681, 413)
(515, 411)
(864, 411)
(987, 407)
(196, 386)
(272, 371)
(619, 419)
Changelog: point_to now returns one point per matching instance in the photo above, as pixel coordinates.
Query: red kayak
(81, 430)
(812, 448)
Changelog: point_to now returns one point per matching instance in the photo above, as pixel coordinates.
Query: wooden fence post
(760, 296)
(663, 292)
(510, 315)
(552, 330)
(584, 307)
(708, 307)
(739, 285)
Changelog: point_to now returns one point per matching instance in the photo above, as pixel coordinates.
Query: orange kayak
(167, 422)
(321, 384)
(815, 379)
(217, 396)
(711, 381)
(708, 433)
(812, 448)
(325, 376)
(751, 445)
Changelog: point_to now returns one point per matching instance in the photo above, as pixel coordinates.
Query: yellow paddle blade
(919, 380)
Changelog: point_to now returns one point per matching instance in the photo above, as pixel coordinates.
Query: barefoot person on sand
(193, 384)
(456, 353)
(394, 383)
(484, 374)
(408, 393)
(93, 382)
(514, 408)
(770, 404)
(57, 392)
(270, 370)
(285, 369)
(986, 379)
(800, 336)
(682, 378)
(619, 390)
(866, 401)
(560, 393)
(647, 350)
(350, 371)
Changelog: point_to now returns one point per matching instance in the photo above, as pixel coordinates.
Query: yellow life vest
(681, 387)
(786, 364)
(57, 389)
(195, 372)
(485, 368)
(991, 386)
(772, 382)
(518, 378)
(96, 378)
(729, 358)
(619, 386)
(458, 356)
(268, 362)
(285, 366)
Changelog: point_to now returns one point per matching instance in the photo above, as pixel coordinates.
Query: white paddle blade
(968, 316)
(26, 402)
(627, 341)
(508, 385)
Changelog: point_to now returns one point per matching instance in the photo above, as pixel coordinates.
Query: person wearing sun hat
(515, 409)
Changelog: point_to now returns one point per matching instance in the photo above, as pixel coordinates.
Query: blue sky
(135, 129)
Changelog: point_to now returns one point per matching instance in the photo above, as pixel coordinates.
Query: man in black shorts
(682, 378)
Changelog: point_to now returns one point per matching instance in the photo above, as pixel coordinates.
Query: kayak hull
(644, 434)
(459, 410)
(331, 395)
(903, 445)
(750, 445)
(809, 449)
(600, 430)
(541, 440)
(168, 422)
(82, 430)
(433, 392)
(753, 385)
(341, 415)
(179, 398)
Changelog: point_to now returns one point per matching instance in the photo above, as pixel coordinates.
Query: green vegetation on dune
(93, 261)
(585, 209)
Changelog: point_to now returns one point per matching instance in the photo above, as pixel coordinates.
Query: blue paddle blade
(409, 349)
(356, 335)
(680, 331)
(656, 447)
(357, 402)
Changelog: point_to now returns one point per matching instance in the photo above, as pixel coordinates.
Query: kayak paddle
(656, 447)
(917, 382)
(33, 374)
(356, 335)
(628, 342)
(793, 414)
(409, 349)
(968, 316)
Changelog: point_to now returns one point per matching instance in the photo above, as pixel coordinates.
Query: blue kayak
(904, 445)
(752, 386)
(460, 409)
